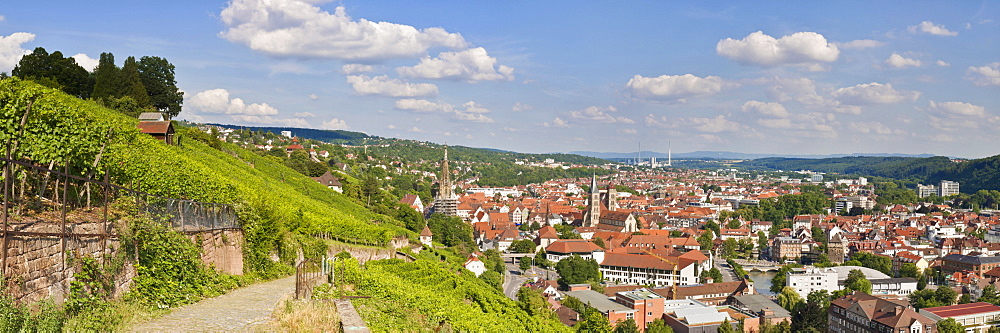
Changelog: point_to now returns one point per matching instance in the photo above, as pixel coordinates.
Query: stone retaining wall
(222, 249)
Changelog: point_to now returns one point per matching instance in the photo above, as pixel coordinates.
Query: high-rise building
(948, 188)
(446, 201)
(926, 190)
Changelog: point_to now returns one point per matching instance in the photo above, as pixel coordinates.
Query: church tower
(593, 215)
(446, 202)
(612, 202)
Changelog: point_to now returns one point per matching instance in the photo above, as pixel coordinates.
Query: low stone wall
(222, 249)
(363, 254)
(41, 267)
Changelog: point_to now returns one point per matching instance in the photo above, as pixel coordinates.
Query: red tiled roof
(573, 246)
(426, 232)
(963, 309)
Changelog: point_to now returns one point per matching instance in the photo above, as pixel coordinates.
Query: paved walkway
(238, 310)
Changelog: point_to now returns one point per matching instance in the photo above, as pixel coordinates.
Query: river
(762, 281)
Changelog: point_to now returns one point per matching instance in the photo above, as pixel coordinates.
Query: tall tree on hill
(157, 76)
(55, 71)
(107, 83)
(132, 82)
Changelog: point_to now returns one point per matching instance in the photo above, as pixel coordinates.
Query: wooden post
(6, 207)
(65, 201)
(106, 193)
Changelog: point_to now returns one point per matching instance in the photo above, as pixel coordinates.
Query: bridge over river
(759, 265)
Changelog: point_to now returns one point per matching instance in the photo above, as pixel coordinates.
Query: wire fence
(45, 202)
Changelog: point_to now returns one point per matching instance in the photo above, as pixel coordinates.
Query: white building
(657, 271)
(493, 191)
(287, 134)
(809, 279)
(476, 266)
(893, 286)
(948, 188)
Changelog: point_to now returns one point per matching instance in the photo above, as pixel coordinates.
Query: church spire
(446, 201)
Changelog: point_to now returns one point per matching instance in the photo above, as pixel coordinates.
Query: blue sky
(556, 76)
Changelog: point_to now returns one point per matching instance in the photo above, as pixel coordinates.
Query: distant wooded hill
(974, 175)
(332, 136)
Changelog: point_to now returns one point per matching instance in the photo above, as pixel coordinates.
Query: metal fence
(44, 202)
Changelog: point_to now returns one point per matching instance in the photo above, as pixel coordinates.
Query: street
(514, 279)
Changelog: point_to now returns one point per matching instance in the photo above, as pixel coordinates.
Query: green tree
(713, 273)
(922, 282)
(522, 246)
(950, 326)
(107, 82)
(734, 224)
(594, 322)
(908, 270)
(990, 295)
(157, 76)
(965, 299)
(705, 240)
(789, 298)
(599, 242)
(132, 83)
(726, 327)
(450, 230)
(575, 269)
(493, 279)
(856, 280)
(658, 326)
(524, 264)
(55, 71)
(811, 316)
(778, 281)
(880, 263)
(945, 295)
(532, 301)
(627, 326)
(413, 220)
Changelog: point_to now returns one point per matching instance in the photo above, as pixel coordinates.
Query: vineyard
(427, 295)
(276, 205)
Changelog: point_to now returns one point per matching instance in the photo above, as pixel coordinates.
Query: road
(514, 279)
(238, 310)
(727, 272)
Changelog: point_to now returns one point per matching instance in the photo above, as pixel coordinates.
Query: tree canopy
(575, 269)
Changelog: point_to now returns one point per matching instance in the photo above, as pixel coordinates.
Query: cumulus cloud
(715, 124)
(268, 120)
(384, 86)
(300, 29)
(518, 107)
(942, 63)
(674, 87)
(800, 48)
(872, 127)
(349, 69)
(473, 112)
(873, 93)
(929, 27)
(334, 124)
(415, 129)
(599, 114)
(988, 75)
(628, 131)
(802, 90)
(898, 61)
(85, 61)
(958, 109)
(768, 109)
(313, 97)
(11, 51)
(219, 101)
(422, 105)
(556, 123)
(860, 44)
(470, 65)
(661, 121)
(304, 115)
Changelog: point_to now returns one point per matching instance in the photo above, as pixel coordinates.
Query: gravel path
(238, 310)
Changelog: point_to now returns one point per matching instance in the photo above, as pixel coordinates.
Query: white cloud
(304, 115)
(288, 67)
(931, 28)
(599, 114)
(942, 63)
(86, 62)
(628, 131)
(11, 51)
(556, 123)
(988, 75)
(218, 101)
(873, 93)
(800, 48)
(391, 126)
(802, 90)
(768, 109)
(349, 69)
(518, 107)
(415, 129)
(473, 112)
(335, 124)
(384, 86)
(673, 87)
(313, 97)
(300, 29)
(470, 65)
(661, 122)
(715, 124)
(872, 127)
(958, 109)
(860, 44)
(3, 18)
(898, 61)
(268, 120)
(423, 105)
